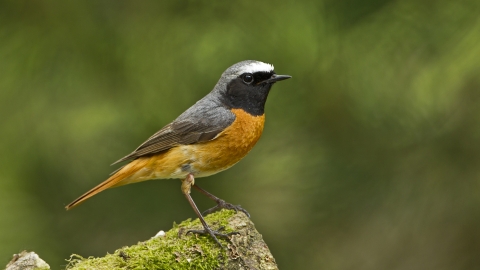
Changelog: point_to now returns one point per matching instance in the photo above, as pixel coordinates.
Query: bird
(209, 137)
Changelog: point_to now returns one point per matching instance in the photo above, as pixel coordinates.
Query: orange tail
(113, 181)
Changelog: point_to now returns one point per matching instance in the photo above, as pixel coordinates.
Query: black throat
(249, 97)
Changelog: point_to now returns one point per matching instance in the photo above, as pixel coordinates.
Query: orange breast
(201, 159)
(230, 146)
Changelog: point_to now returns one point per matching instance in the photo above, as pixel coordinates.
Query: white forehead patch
(255, 67)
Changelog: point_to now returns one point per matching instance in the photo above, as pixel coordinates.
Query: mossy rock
(178, 250)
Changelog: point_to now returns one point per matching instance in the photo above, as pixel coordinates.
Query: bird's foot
(214, 234)
(221, 204)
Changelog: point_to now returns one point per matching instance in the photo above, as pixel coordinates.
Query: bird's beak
(276, 78)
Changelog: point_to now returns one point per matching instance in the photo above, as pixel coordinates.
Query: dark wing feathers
(200, 123)
(176, 133)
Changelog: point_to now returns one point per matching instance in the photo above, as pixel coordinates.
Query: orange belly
(201, 159)
(230, 146)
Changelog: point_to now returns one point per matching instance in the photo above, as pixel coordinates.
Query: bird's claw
(213, 234)
(221, 204)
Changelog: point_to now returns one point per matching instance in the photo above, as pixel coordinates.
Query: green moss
(173, 251)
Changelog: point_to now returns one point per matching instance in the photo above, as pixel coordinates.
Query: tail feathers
(112, 181)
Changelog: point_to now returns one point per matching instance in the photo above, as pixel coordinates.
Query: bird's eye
(247, 78)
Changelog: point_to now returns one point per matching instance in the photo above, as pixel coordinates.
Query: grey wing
(203, 124)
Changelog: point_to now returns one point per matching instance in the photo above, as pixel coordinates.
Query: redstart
(209, 137)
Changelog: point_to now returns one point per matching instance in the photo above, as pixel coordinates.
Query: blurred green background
(370, 158)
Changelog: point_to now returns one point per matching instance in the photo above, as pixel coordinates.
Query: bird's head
(246, 85)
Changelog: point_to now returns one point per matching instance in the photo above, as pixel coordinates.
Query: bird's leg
(187, 184)
(220, 203)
